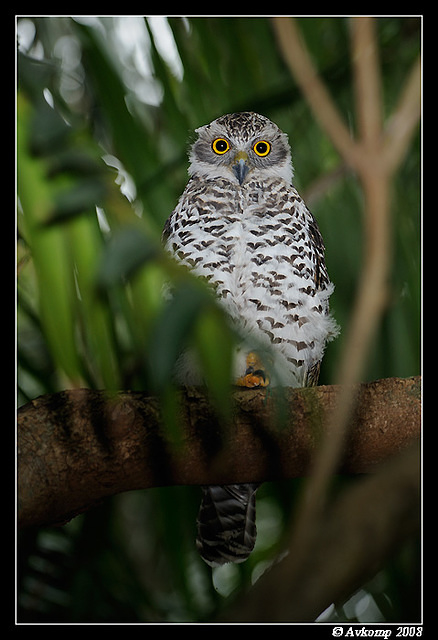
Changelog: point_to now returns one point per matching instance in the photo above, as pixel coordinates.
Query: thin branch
(403, 122)
(367, 82)
(299, 61)
(77, 447)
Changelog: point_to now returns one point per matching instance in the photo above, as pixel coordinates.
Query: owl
(242, 226)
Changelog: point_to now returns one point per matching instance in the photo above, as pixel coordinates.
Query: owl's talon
(251, 380)
(254, 374)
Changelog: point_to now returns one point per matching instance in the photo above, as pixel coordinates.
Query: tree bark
(76, 447)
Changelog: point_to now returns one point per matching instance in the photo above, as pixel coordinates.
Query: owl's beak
(240, 167)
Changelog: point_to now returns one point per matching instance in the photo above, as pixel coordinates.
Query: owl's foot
(256, 379)
(255, 376)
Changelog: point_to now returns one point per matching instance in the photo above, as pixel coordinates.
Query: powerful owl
(242, 226)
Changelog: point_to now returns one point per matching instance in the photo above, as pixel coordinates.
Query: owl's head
(240, 147)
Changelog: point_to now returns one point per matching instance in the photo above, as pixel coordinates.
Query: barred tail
(226, 523)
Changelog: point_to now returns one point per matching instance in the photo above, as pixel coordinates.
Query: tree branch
(77, 447)
(303, 70)
(367, 82)
(403, 122)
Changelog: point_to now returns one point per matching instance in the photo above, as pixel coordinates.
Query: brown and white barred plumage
(242, 225)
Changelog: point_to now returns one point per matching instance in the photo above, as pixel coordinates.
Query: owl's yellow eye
(220, 146)
(262, 148)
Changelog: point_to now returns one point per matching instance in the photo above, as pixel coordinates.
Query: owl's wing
(321, 279)
(167, 230)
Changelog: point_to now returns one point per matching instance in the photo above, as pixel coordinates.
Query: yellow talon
(255, 375)
(251, 381)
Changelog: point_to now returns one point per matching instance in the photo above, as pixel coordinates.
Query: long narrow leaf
(97, 326)
(49, 251)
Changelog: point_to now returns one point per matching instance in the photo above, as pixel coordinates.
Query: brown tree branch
(367, 83)
(77, 447)
(403, 122)
(303, 70)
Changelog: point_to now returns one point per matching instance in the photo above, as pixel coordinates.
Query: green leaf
(128, 136)
(127, 250)
(75, 162)
(214, 341)
(172, 330)
(96, 319)
(48, 130)
(49, 251)
(84, 195)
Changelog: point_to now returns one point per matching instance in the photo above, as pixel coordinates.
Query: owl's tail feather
(226, 523)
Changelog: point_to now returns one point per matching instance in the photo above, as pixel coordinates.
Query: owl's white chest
(254, 247)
